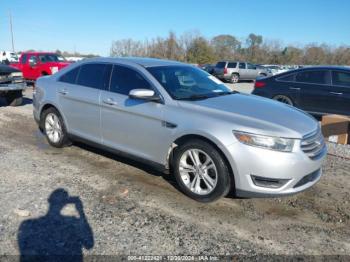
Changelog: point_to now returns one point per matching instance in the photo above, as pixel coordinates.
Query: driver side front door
(132, 125)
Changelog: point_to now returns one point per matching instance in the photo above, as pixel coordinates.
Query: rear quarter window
(71, 76)
(287, 78)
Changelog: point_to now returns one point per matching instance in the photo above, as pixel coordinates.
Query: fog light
(269, 182)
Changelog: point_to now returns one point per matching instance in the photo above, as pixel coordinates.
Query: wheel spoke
(209, 182)
(194, 181)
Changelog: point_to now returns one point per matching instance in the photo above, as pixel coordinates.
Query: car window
(313, 77)
(125, 79)
(24, 59)
(71, 76)
(250, 66)
(33, 59)
(287, 78)
(232, 65)
(220, 65)
(184, 82)
(242, 65)
(341, 78)
(94, 75)
(45, 58)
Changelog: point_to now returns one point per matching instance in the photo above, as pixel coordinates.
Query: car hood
(254, 114)
(4, 69)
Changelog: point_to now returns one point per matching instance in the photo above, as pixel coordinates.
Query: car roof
(142, 61)
(38, 53)
(307, 68)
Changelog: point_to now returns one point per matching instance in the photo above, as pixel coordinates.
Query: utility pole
(13, 45)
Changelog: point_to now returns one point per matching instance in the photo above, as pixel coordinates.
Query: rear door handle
(336, 93)
(110, 101)
(63, 91)
(294, 88)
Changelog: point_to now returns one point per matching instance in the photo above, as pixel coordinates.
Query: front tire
(201, 171)
(54, 128)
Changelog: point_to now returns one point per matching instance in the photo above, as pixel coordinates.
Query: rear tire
(201, 171)
(54, 128)
(283, 99)
(234, 78)
(14, 98)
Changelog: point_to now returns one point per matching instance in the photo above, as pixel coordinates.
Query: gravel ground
(124, 207)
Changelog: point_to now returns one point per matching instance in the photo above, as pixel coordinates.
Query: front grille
(313, 144)
(309, 178)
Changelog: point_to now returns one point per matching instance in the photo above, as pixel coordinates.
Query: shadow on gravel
(56, 237)
(26, 101)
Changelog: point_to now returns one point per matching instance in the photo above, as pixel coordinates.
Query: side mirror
(144, 94)
(32, 63)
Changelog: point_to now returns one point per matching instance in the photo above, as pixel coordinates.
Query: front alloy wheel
(198, 171)
(201, 171)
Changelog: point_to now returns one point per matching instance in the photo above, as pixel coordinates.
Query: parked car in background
(8, 57)
(36, 64)
(208, 68)
(275, 69)
(234, 71)
(11, 85)
(317, 90)
(175, 115)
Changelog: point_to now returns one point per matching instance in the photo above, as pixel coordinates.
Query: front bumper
(12, 86)
(297, 170)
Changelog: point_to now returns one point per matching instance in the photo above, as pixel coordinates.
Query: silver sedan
(179, 118)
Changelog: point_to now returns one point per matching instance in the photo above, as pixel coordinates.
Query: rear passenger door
(132, 125)
(340, 92)
(252, 71)
(79, 97)
(243, 71)
(314, 87)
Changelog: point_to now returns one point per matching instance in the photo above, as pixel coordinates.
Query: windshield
(186, 82)
(51, 58)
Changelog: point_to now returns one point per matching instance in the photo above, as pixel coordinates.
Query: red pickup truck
(36, 64)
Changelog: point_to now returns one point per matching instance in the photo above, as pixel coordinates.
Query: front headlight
(267, 142)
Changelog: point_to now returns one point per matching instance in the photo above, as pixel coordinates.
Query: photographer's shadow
(56, 237)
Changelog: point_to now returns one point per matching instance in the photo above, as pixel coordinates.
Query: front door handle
(336, 93)
(63, 92)
(110, 101)
(294, 88)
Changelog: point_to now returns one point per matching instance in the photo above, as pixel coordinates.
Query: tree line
(192, 47)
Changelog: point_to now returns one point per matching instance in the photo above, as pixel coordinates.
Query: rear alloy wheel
(54, 128)
(201, 172)
(234, 78)
(283, 99)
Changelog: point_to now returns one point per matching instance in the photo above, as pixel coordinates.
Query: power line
(13, 45)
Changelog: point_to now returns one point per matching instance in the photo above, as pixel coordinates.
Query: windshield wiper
(195, 97)
(227, 93)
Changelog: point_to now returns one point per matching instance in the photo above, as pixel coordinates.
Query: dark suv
(318, 90)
